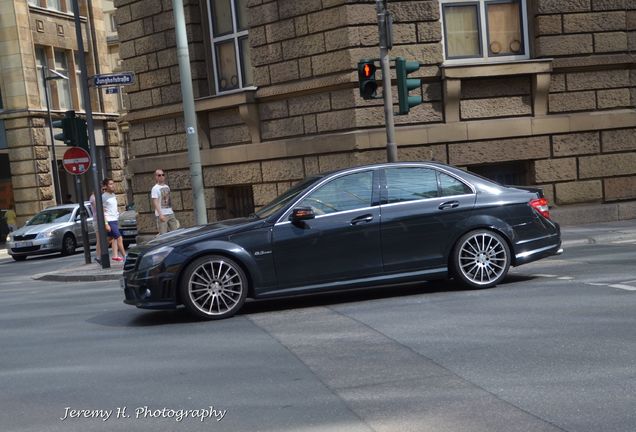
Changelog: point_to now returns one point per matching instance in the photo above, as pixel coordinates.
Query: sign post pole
(76, 162)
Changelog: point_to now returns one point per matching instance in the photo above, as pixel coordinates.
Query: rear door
(421, 209)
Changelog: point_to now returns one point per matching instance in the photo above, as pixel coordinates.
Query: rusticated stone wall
(569, 115)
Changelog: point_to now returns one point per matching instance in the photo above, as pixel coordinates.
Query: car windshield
(51, 216)
(286, 198)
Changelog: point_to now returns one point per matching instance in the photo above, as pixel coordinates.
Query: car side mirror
(302, 214)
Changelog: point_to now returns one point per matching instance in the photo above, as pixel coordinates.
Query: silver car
(55, 229)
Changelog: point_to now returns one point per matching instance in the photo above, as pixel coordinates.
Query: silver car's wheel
(481, 259)
(214, 287)
(68, 245)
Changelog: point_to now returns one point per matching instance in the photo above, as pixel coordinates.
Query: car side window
(452, 186)
(410, 184)
(344, 193)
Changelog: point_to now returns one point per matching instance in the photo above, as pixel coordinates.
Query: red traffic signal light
(366, 79)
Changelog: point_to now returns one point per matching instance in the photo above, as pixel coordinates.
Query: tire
(213, 287)
(19, 257)
(481, 259)
(68, 245)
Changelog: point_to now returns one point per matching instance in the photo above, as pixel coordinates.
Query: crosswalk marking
(621, 285)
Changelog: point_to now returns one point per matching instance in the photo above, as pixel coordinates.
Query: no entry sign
(76, 161)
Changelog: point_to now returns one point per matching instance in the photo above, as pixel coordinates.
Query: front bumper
(151, 289)
(37, 246)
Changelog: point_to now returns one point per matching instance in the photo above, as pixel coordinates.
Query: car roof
(65, 206)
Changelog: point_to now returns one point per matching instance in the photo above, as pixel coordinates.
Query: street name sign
(76, 161)
(115, 79)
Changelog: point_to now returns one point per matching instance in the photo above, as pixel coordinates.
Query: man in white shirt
(160, 194)
(111, 214)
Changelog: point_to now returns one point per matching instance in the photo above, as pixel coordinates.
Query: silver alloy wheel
(483, 258)
(215, 287)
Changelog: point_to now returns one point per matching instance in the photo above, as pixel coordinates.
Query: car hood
(128, 215)
(36, 229)
(214, 230)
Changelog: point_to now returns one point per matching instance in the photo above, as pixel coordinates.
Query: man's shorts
(114, 229)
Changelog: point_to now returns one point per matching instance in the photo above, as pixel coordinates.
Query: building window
(505, 173)
(113, 24)
(58, 5)
(63, 85)
(230, 46)
(485, 30)
(78, 80)
(40, 64)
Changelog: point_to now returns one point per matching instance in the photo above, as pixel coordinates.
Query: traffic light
(67, 126)
(74, 131)
(366, 78)
(80, 134)
(405, 84)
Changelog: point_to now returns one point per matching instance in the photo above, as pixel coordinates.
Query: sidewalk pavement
(624, 231)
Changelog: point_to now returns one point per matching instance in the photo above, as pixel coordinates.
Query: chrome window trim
(285, 222)
(444, 198)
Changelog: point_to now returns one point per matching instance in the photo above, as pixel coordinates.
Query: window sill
(454, 74)
(244, 99)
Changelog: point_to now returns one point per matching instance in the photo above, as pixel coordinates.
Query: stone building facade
(37, 36)
(555, 110)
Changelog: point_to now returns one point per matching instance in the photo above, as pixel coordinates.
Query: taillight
(541, 205)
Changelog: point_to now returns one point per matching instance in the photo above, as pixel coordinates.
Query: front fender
(228, 249)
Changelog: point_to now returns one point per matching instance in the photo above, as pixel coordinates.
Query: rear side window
(410, 184)
(451, 186)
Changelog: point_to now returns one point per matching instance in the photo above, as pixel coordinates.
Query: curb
(77, 278)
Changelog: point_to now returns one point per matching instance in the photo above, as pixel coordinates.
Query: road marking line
(623, 287)
(545, 275)
(565, 278)
(596, 284)
(629, 282)
(624, 241)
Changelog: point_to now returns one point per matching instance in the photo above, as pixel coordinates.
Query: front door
(341, 243)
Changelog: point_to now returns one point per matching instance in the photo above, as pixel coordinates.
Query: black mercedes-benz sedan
(365, 226)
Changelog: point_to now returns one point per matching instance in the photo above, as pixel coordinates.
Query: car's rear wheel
(68, 244)
(213, 287)
(19, 257)
(481, 259)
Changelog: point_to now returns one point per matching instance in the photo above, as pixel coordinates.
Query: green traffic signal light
(405, 84)
(366, 79)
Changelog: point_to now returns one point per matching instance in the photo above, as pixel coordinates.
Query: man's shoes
(118, 259)
(98, 260)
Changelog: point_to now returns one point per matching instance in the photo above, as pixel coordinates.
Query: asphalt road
(551, 349)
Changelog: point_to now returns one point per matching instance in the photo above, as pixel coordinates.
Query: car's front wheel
(19, 257)
(68, 245)
(213, 287)
(481, 259)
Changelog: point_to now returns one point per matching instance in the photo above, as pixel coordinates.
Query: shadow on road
(130, 317)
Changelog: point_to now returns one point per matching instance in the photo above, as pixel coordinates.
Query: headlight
(154, 258)
(9, 238)
(46, 234)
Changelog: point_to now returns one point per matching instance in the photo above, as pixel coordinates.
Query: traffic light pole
(385, 45)
(97, 187)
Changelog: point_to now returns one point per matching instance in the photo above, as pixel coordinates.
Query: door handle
(362, 219)
(448, 205)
